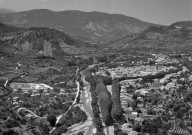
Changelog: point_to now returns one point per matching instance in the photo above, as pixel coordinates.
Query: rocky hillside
(5, 11)
(88, 26)
(183, 24)
(44, 54)
(174, 38)
(41, 41)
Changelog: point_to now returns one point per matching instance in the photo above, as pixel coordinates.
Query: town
(66, 70)
(155, 98)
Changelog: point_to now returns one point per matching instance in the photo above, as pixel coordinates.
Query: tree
(107, 80)
(10, 123)
(138, 110)
(182, 125)
(44, 129)
(134, 104)
(52, 120)
(143, 129)
(98, 124)
(105, 106)
(137, 127)
(78, 77)
(179, 114)
(91, 80)
(150, 112)
(105, 103)
(116, 129)
(94, 103)
(100, 86)
(134, 96)
(117, 110)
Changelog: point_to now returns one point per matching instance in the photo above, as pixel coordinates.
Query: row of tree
(105, 103)
(110, 105)
(94, 104)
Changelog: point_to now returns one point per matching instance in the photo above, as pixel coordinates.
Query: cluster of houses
(165, 59)
(36, 89)
(130, 114)
(160, 87)
(137, 71)
(32, 89)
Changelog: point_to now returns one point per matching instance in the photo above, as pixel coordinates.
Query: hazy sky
(155, 11)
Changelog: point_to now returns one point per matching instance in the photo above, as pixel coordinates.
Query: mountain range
(6, 11)
(54, 33)
(174, 38)
(93, 27)
(26, 44)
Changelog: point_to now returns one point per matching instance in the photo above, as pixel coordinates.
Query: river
(86, 99)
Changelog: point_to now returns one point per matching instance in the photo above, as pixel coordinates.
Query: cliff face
(41, 41)
(47, 49)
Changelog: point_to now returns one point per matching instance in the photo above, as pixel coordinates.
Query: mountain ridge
(89, 26)
(41, 42)
(6, 11)
(173, 38)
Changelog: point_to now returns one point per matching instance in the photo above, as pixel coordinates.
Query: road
(86, 99)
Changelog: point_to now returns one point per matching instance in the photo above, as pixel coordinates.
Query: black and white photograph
(95, 67)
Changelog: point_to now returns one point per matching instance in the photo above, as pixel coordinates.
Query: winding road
(86, 99)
